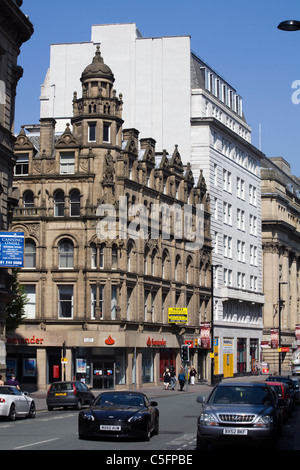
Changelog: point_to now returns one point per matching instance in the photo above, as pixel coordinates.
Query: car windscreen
(237, 394)
(112, 399)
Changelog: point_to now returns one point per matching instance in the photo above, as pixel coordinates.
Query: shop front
(106, 359)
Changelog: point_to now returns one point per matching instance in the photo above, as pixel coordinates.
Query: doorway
(104, 375)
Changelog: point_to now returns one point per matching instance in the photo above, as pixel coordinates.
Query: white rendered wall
(153, 75)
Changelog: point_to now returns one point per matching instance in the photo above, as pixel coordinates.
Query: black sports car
(119, 414)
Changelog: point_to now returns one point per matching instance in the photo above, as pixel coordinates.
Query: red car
(284, 396)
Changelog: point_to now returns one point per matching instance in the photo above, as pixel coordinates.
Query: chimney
(47, 133)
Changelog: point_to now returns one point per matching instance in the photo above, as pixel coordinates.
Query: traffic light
(185, 353)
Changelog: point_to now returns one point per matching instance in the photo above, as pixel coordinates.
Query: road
(57, 430)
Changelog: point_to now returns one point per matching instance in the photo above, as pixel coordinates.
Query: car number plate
(60, 394)
(106, 427)
(235, 431)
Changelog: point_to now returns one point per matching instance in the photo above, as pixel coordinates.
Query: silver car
(15, 404)
(243, 412)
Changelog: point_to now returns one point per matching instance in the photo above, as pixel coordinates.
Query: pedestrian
(1, 381)
(167, 379)
(13, 381)
(173, 378)
(193, 375)
(181, 379)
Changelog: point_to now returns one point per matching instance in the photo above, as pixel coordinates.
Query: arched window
(189, 270)
(66, 254)
(177, 267)
(75, 203)
(165, 264)
(30, 254)
(153, 257)
(28, 199)
(59, 204)
(114, 257)
(130, 255)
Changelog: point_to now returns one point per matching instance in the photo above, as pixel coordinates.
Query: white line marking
(35, 444)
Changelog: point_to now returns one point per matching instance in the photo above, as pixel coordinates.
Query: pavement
(156, 392)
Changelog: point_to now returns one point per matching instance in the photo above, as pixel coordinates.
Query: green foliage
(16, 310)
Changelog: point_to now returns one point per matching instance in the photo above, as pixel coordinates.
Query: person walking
(167, 379)
(1, 381)
(173, 378)
(181, 379)
(192, 375)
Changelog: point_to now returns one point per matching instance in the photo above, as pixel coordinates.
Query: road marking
(35, 443)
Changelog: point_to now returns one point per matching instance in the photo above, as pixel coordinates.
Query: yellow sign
(64, 360)
(177, 315)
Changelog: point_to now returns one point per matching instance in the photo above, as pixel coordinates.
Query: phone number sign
(11, 249)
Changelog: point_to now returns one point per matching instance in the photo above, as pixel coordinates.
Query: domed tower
(97, 116)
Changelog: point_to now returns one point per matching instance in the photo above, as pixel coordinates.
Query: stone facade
(102, 300)
(15, 29)
(281, 251)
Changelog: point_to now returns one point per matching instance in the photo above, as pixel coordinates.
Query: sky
(239, 39)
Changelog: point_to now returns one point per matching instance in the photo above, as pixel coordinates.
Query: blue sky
(239, 39)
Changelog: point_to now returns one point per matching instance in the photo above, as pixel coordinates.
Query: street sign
(178, 315)
(11, 249)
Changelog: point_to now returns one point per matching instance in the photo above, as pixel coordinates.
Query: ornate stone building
(102, 262)
(280, 192)
(15, 29)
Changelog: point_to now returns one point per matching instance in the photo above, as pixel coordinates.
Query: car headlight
(135, 418)
(208, 419)
(88, 417)
(265, 421)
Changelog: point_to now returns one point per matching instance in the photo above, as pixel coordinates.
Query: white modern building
(169, 91)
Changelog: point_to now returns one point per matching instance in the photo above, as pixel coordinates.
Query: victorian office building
(100, 272)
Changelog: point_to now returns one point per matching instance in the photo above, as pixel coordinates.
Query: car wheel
(12, 413)
(156, 429)
(147, 434)
(32, 411)
(78, 406)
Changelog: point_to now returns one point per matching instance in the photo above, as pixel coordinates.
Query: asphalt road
(57, 430)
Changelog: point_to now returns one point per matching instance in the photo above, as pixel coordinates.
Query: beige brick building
(101, 298)
(280, 192)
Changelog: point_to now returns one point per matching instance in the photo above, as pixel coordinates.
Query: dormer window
(67, 163)
(22, 165)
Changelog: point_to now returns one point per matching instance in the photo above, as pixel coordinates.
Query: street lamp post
(279, 323)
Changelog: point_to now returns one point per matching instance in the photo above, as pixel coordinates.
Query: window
(29, 308)
(28, 199)
(74, 203)
(129, 296)
(114, 257)
(59, 204)
(30, 254)
(66, 254)
(67, 163)
(92, 132)
(65, 301)
(22, 165)
(113, 313)
(106, 132)
(97, 304)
